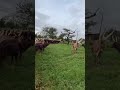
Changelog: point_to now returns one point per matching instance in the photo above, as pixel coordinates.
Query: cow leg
(12, 59)
(37, 50)
(16, 61)
(43, 49)
(73, 51)
(99, 61)
(95, 59)
(76, 50)
(20, 56)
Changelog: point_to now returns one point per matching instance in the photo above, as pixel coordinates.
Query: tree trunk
(68, 39)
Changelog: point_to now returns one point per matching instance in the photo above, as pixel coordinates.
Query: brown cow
(98, 46)
(9, 47)
(75, 46)
(14, 43)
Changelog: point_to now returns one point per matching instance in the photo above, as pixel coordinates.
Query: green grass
(20, 76)
(105, 76)
(58, 69)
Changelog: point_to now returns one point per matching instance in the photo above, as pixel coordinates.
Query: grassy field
(105, 76)
(20, 76)
(58, 69)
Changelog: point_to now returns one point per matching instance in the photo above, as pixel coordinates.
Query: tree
(38, 36)
(2, 22)
(61, 36)
(25, 13)
(89, 15)
(68, 34)
(49, 32)
(10, 24)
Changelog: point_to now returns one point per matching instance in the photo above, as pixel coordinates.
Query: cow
(98, 45)
(116, 44)
(14, 43)
(9, 47)
(40, 45)
(75, 46)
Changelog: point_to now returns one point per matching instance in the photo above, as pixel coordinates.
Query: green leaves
(49, 32)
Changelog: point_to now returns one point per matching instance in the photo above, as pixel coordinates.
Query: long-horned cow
(75, 46)
(116, 43)
(98, 45)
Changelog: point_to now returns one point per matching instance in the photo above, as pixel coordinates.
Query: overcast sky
(68, 13)
(7, 7)
(110, 10)
(60, 14)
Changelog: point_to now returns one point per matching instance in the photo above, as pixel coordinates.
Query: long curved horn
(100, 27)
(97, 10)
(116, 38)
(108, 35)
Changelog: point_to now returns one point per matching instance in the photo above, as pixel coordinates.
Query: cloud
(61, 14)
(40, 20)
(110, 11)
(7, 7)
(76, 8)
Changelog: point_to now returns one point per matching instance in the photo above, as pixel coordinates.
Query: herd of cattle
(41, 44)
(98, 46)
(13, 43)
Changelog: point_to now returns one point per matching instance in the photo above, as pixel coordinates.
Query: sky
(110, 10)
(68, 13)
(61, 14)
(7, 7)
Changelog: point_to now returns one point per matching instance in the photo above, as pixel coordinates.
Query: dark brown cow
(41, 45)
(52, 41)
(116, 44)
(14, 43)
(9, 47)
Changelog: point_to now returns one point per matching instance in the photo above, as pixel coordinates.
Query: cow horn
(108, 35)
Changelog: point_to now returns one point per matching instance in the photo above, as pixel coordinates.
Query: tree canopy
(49, 32)
(68, 34)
